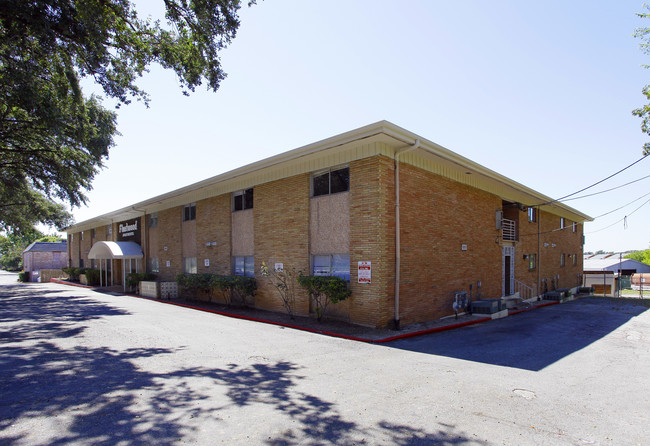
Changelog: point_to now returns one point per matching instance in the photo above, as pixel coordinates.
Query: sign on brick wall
(129, 231)
(364, 274)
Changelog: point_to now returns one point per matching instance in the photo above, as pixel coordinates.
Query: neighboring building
(44, 255)
(614, 262)
(406, 221)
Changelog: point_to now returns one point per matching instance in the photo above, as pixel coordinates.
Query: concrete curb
(325, 332)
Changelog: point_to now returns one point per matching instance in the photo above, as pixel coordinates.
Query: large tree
(644, 112)
(53, 139)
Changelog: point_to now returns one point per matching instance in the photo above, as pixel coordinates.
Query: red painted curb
(327, 333)
(253, 319)
(78, 285)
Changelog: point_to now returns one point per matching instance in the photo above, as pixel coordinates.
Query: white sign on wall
(279, 267)
(364, 274)
(206, 262)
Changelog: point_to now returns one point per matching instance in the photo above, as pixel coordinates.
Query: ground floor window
(189, 265)
(331, 265)
(532, 261)
(244, 266)
(154, 265)
(562, 259)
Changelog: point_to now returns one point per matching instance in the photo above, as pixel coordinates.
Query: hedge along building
(406, 221)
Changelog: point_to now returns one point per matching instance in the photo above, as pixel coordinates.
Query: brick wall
(169, 236)
(548, 246)
(85, 246)
(372, 227)
(73, 249)
(438, 217)
(281, 219)
(213, 225)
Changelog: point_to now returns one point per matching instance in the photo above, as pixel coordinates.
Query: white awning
(115, 250)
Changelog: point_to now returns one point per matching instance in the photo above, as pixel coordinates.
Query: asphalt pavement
(82, 367)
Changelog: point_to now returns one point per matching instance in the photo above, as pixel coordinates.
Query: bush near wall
(232, 288)
(133, 279)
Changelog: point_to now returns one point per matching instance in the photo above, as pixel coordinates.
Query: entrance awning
(115, 250)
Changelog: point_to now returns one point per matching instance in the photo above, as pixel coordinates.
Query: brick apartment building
(40, 256)
(421, 222)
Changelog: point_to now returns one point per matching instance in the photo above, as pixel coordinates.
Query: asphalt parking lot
(80, 367)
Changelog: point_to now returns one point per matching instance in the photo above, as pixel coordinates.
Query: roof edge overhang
(394, 136)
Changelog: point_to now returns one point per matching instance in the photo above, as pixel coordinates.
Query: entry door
(508, 270)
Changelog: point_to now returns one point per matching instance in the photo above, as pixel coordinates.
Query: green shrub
(133, 279)
(195, 283)
(23, 276)
(324, 290)
(284, 281)
(72, 273)
(230, 287)
(243, 287)
(92, 276)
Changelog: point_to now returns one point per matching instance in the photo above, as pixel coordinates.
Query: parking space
(79, 367)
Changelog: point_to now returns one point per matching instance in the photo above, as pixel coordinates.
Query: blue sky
(541, 92)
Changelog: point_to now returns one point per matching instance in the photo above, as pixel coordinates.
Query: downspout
(539, 252)
(398, 257)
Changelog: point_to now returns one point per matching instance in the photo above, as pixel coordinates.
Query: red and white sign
(365, 272)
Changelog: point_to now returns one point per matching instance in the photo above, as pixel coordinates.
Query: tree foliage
(641, 256)
(644, 112)
(53, 140)
(12, 246)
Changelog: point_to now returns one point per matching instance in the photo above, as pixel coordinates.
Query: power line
(625, 205)
(624, 219)
(595, 184)
(607, 190)
(602, 215)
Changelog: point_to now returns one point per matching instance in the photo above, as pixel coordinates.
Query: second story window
(242, 199)
(189, 212)
(330, 181)
(153, 220)
(532, 215)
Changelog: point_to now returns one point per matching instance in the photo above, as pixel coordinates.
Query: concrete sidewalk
(330, 327)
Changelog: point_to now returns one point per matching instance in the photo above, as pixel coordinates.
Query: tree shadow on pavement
(106, 395)
(532, 340)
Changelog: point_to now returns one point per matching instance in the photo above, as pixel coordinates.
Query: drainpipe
(397, 228)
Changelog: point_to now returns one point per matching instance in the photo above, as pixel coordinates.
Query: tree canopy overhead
(644, 112)
(53, 140)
